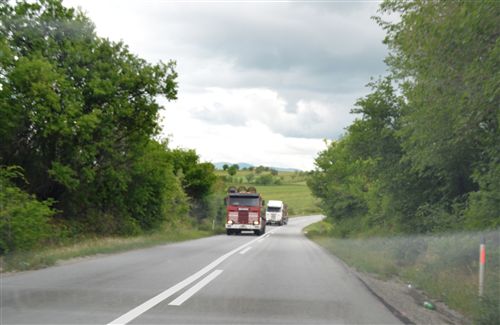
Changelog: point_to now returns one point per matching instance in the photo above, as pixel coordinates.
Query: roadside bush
(482, 210)
(266, 179)
(24, 221)
(321, 228)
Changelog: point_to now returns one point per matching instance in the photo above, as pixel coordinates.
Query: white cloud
(239, 107)
(253, 142)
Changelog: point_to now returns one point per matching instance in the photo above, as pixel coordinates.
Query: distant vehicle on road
(244, 211)
(276, 213)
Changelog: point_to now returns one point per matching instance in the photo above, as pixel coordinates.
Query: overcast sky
(259, 82)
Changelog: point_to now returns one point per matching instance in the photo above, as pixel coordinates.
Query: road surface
(279, 278)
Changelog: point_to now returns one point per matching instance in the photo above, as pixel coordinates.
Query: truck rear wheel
(229, 232)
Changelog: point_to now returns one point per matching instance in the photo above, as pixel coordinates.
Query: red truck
(244, 211)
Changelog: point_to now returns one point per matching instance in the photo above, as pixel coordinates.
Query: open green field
(298, 197)
(248, 176)
(289, 187)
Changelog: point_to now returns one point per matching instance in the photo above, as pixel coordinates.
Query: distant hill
(218, 165)
(282, 169)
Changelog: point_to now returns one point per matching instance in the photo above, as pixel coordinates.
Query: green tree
(425, 159)
(157, 196)
(260, 169)
(445, 56)
(75, 109)
(362, 177)
(250, 178)
(197, 178)
(232, 170)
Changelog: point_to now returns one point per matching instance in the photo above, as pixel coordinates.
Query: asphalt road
(279, 278)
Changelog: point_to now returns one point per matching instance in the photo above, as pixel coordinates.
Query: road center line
(194, 289)
(262, 238)
(245, 250)
(137, 311)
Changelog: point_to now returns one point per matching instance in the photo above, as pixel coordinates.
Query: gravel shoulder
(406, 302)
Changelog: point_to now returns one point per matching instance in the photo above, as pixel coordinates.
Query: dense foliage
(24, 221)
(78, 114)
(424, 154)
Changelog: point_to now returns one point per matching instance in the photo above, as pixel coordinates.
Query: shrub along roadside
(24, 221)
(445, 266)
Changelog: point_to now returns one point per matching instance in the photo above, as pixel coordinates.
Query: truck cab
(244, 211)
(276, 213)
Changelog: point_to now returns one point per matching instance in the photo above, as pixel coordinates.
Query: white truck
(276, 213)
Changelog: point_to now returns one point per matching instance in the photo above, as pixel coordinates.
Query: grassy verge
(444, 266)
(48, 256)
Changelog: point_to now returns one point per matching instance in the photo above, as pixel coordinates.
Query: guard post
(482, 262)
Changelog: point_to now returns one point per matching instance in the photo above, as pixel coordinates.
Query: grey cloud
(320, 51)
(219, 114)
(278, 38)
(302, 119)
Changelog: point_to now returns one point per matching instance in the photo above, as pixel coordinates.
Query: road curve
(279, 278)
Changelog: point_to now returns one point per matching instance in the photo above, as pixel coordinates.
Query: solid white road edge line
(245, 250)
(194, 289)
(137, 311)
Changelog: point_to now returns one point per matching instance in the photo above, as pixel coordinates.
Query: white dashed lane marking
(245, 250)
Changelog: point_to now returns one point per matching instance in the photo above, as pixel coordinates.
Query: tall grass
(444, 266)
